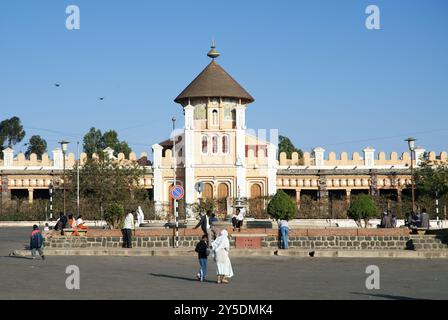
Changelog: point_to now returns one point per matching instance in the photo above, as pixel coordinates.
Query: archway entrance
(223, 195)
(256, 202)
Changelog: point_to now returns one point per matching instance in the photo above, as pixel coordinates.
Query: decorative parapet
(21, 162)
(318, 159)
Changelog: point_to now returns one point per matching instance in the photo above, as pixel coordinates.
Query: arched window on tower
(215, 144)
(225, 144)
(204, 144)
(215, 120)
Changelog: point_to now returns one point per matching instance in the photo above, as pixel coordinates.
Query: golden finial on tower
(213, 53)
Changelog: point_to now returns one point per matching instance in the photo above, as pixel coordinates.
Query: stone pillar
(58, 159)
(8, 157)
(298, 191)
(348, 194)
(30, 195)
(5, 193)
(272, 170)
(157, 173)
(189, 152)
(319, 156)
(374, 185)
(369, 157)
(419, 156)
(399, 192)
(240, 151)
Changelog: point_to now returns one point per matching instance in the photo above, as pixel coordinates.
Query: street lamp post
(64, 144)
(411, 145)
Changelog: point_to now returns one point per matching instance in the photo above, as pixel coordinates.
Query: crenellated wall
(317, 159)
(11, 162)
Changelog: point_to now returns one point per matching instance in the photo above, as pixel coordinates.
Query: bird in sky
(57, 85)
(101, 98)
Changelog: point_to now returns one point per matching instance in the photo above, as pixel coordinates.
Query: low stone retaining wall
(336, 239)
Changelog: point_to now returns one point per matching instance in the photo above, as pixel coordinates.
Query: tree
(96, 142)
(362, 207)
(285, 145)
(36, 145)
(105, 181)
(432, 180)
(204, 206)
(110, 139)
(11, 131)
(114, 215)
(93, 142)
(282, 207)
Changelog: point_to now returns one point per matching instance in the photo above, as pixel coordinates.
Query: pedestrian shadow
(387, 296)
(17, 257)
(176, 277)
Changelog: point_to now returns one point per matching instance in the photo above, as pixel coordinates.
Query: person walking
(284, 232)
(203, 252)
(214, 226)
(204, 223)
(221, 247)
(127, 230)
(37, 243)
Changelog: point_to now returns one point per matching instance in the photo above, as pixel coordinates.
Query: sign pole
(174, 184)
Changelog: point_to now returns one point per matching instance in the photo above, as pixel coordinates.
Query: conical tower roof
(215, 82)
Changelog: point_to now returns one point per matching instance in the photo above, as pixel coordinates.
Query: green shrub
(362, 207)
(205, 205)
(114, 215)
(282, 207)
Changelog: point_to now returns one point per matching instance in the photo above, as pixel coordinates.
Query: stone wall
(343, 242)
(349, 239)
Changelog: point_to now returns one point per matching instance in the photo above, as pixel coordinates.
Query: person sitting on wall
(72, 224)
(239, 219)
(80, 223)
(234, 219)
(61, 223)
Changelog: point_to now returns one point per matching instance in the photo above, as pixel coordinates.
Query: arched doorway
(223, 195)
(255, 191)
(256, 202)
(208, 191)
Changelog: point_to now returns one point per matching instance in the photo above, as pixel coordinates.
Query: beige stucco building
(215, 149)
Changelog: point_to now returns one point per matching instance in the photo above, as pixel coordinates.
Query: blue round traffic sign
(177, 192)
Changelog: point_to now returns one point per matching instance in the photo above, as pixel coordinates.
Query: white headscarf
(222, 242)
(140, 216)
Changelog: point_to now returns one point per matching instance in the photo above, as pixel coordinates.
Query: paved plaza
(255, 278)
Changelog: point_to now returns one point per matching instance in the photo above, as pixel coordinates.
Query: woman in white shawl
(221, 247)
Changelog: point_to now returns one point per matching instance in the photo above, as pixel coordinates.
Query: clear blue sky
(316, 72)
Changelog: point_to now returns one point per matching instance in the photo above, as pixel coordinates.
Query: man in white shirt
(239, 219)
(127, 230)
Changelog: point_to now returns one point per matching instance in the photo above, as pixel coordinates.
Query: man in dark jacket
(204, 223)
(61, 223)
(37, 243)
